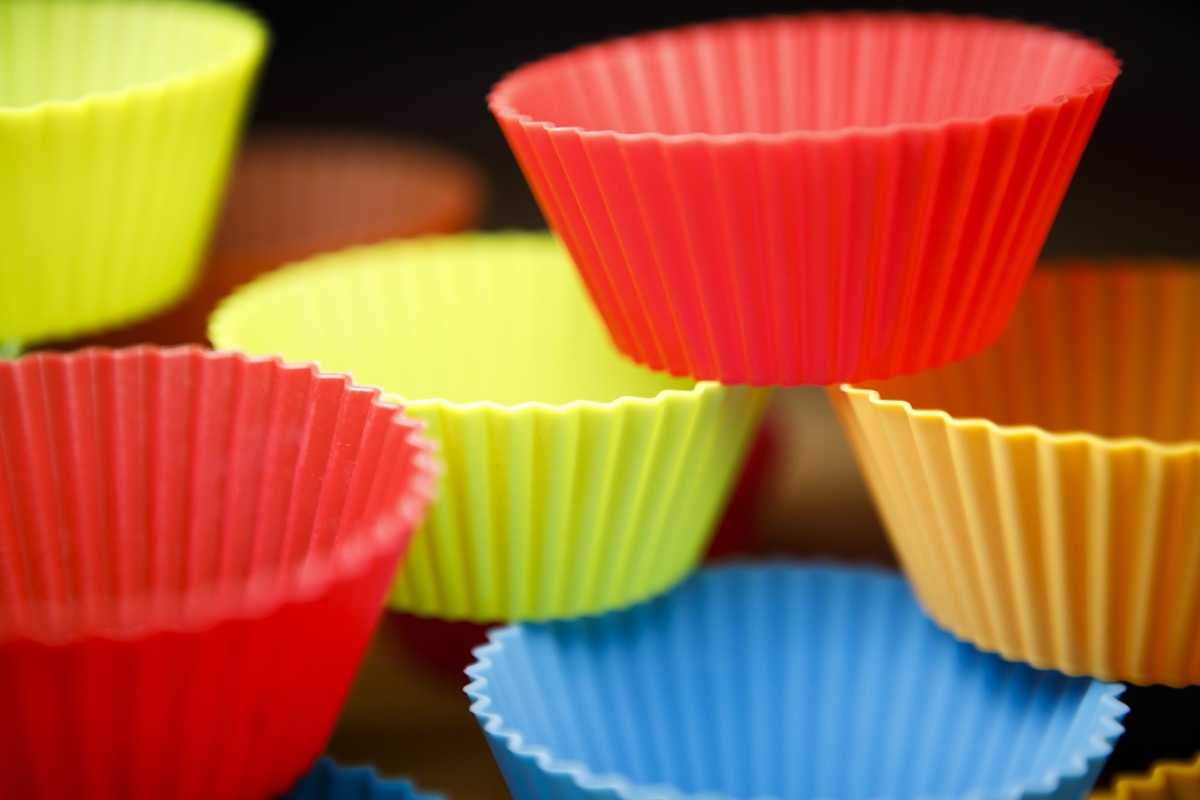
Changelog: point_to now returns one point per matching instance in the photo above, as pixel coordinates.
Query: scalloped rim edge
(502, 107)
(873, 396)
(258, 597)
(250, 54)
(218, 322)
(1098, 747)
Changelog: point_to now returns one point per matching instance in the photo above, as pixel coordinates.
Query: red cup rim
(503, 107)
(257, 596)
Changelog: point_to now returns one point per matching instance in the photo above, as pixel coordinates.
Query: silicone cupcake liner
(771, 681)
(117, 119)
(328, 781)
(194, 548)
(294, 194)
(576, 481)
(809, 199)
(299, 193)
(1045, 495)
(1167, 780)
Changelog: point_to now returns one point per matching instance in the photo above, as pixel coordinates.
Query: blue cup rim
(1099, 744)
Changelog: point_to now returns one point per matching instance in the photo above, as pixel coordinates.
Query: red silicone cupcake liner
(811, 199)
(297, 193)
(194, 547)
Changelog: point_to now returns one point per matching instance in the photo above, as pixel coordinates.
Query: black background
(424, 68)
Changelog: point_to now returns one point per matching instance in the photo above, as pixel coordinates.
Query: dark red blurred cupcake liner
(738, 530)
(441, 648)
(194, 549)
(810, 199)
(298, 193)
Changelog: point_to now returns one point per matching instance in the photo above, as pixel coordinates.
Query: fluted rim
(255, 596)
(503, 106)
(1099, 744)
(249, 35)
(222, 323)
(1058, 439)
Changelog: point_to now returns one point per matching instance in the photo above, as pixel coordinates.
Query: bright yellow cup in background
(576, 481)
(117, 122)
(1044, 496)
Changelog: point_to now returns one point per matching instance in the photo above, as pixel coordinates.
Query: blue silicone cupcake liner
(782, 681)
(327, 781)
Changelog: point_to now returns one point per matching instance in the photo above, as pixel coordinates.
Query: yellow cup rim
(287, 274)
(250, 47)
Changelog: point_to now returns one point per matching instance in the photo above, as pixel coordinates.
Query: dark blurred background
(424, 69)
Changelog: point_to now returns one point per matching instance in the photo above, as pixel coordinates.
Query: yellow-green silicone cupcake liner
(117, 121)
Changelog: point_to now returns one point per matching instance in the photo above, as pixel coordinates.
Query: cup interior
(1106, 349)
(64, 50)
(144, 487)
(809, 684)
(496, 318)
(806, 73)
